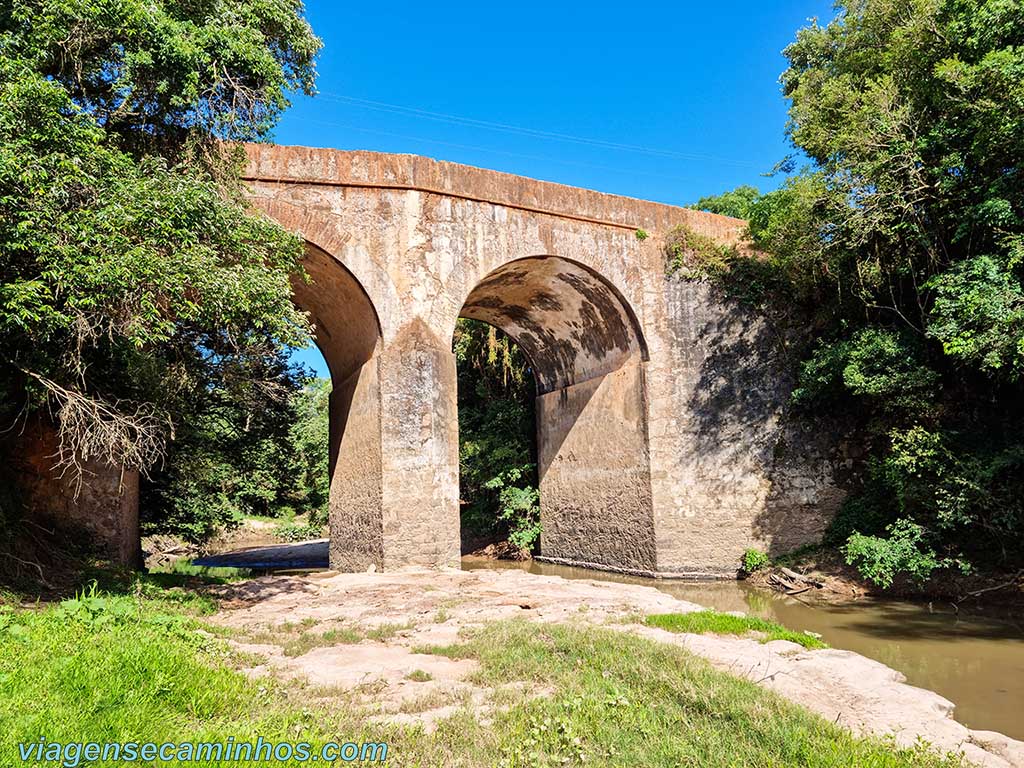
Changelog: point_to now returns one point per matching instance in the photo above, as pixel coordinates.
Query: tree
(310, 436)
(904, 238)
(135, 282)
(735, 203)
(497, 454)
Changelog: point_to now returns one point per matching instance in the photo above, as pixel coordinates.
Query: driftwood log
(792, 583)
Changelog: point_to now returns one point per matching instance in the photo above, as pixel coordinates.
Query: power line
(416, 112)
(331, 124)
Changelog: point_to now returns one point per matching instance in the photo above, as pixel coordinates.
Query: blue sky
(661, 101)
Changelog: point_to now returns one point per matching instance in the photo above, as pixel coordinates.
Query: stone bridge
(665, 442)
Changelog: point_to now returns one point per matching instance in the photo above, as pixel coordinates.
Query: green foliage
(713, 622)
(310, 441)
(246, 451)
(736, 202)
(298, 532)
(754, 560)
(497, 463)
(958, 494)
(978, 315)
(520, 508)
(902, 242)
(903, 551)
(868, 512)
(884, 366)
(140, 299)
(694, 256)
(641, 235)
(233, 456)
(156, 71)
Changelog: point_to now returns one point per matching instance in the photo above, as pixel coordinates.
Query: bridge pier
(395, 458)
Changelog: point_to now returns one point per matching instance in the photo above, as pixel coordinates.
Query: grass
(307, 641)
(387, 630)
(713, 622)
(208, 574)
(626, 700)
(434, 699)
(285, 516)
(139, 666)
(419, 676)
(294, 641)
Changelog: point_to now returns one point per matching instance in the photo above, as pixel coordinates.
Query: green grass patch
(625, 700)
(208, 574)
(386, 631)
(141, 667)
(287, 513)
(713, 622)
(298, 640)
(307, 641)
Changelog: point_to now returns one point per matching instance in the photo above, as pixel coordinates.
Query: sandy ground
(421, 607)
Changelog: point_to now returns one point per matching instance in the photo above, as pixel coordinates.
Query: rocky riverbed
(368, 627)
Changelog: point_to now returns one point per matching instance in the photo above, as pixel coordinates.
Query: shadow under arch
(347, 332)
(587, 351)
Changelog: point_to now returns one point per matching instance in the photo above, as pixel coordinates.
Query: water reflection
(975, 661)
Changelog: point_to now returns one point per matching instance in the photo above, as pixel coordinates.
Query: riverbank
(454, 668)
(823, 575)
(423, 609)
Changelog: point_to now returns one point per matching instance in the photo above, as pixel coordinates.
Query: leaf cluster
(138, 290)
(902, 238)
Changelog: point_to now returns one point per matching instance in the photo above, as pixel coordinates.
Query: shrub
(694, 256)
(905, 550)
(520, 507)
(298, 532)
(754, 560)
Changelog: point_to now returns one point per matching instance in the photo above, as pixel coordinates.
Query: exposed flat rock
(859, 693)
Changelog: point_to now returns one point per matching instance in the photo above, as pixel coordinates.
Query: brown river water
(976, 661)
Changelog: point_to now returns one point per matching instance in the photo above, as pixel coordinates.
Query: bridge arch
(345, 245)
(587, 352)
(571, 322)
(347, 331)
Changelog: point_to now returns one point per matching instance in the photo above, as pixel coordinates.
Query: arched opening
(347, 333)
(586, 353)
(498, 511)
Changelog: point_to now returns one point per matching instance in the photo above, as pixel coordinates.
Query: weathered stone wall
(100, 513)
(595, 475)
(738, 466)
